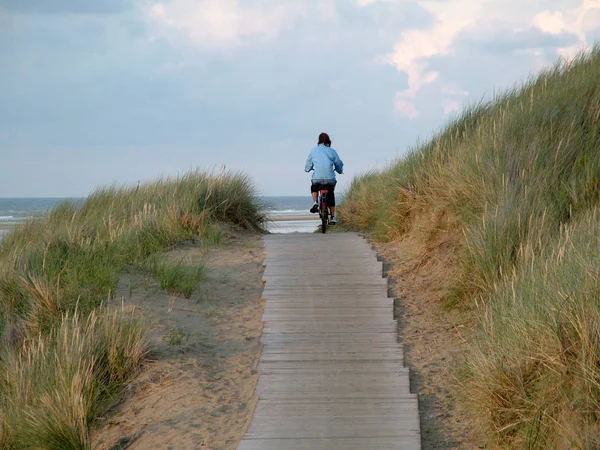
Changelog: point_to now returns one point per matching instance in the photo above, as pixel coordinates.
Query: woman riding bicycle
(325, 162)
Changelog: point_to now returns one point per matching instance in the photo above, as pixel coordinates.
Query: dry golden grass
(56, 383)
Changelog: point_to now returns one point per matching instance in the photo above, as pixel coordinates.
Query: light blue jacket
(325, 161)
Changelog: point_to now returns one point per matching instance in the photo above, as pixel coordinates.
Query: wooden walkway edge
(332, 372)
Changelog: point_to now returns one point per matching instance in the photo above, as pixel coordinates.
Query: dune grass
(54, 385)
(536, 367)
(519, 179)
(64, 356)
(176, 277)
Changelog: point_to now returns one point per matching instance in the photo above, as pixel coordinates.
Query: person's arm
(309, 163)
(337, 162)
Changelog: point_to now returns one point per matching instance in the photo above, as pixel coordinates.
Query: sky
(100, 92)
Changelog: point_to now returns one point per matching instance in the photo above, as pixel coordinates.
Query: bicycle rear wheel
(323, 210)
(324, 220)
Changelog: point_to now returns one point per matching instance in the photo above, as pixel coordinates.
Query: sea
(288, 208)
(16, 210)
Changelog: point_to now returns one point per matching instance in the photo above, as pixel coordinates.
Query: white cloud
(368, 2)
(590, 19)
(411, 52)
(405, 107)
(221, 23)
(550, 22)
(450, 106)
(452, 90)
(580, 21)
(415, 48)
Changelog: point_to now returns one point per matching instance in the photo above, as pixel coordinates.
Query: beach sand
(197, 389)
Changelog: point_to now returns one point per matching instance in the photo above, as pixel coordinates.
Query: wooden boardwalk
(332, 374)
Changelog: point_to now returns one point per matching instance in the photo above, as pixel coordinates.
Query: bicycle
(324, 212)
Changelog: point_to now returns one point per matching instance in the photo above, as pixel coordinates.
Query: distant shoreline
(292, 218)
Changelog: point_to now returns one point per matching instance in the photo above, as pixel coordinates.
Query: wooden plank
(305, 266)
(359, 324)
(326, 290)
(354, 378)
(380, 314)
(316, 373)
(301, 300)
(349, 326)
(312, 426)
(356, 398)
(356, 294)
(367, 338)
(350, 264)
(342, 408)
(330, 306)
(311, 385)
(332, 356)
(353, 267)
(330, 391)
(326, 307)
(283, 264)
(318, 366)
(294, 398)
(319, 289)
(349, 281)
(395, 443)
(327, 310)
(278, 304)
(358, 348)
(343, 300)
(323, 412)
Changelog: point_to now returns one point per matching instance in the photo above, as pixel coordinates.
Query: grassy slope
(519, 178)
(63, 355)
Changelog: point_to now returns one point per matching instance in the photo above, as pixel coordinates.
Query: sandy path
(197, 392)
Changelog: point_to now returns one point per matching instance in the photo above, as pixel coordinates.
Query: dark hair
(324, 139)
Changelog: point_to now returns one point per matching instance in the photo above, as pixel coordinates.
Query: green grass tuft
(177, 276)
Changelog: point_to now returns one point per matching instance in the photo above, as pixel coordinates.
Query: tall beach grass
(65, 354)
(518, 178)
